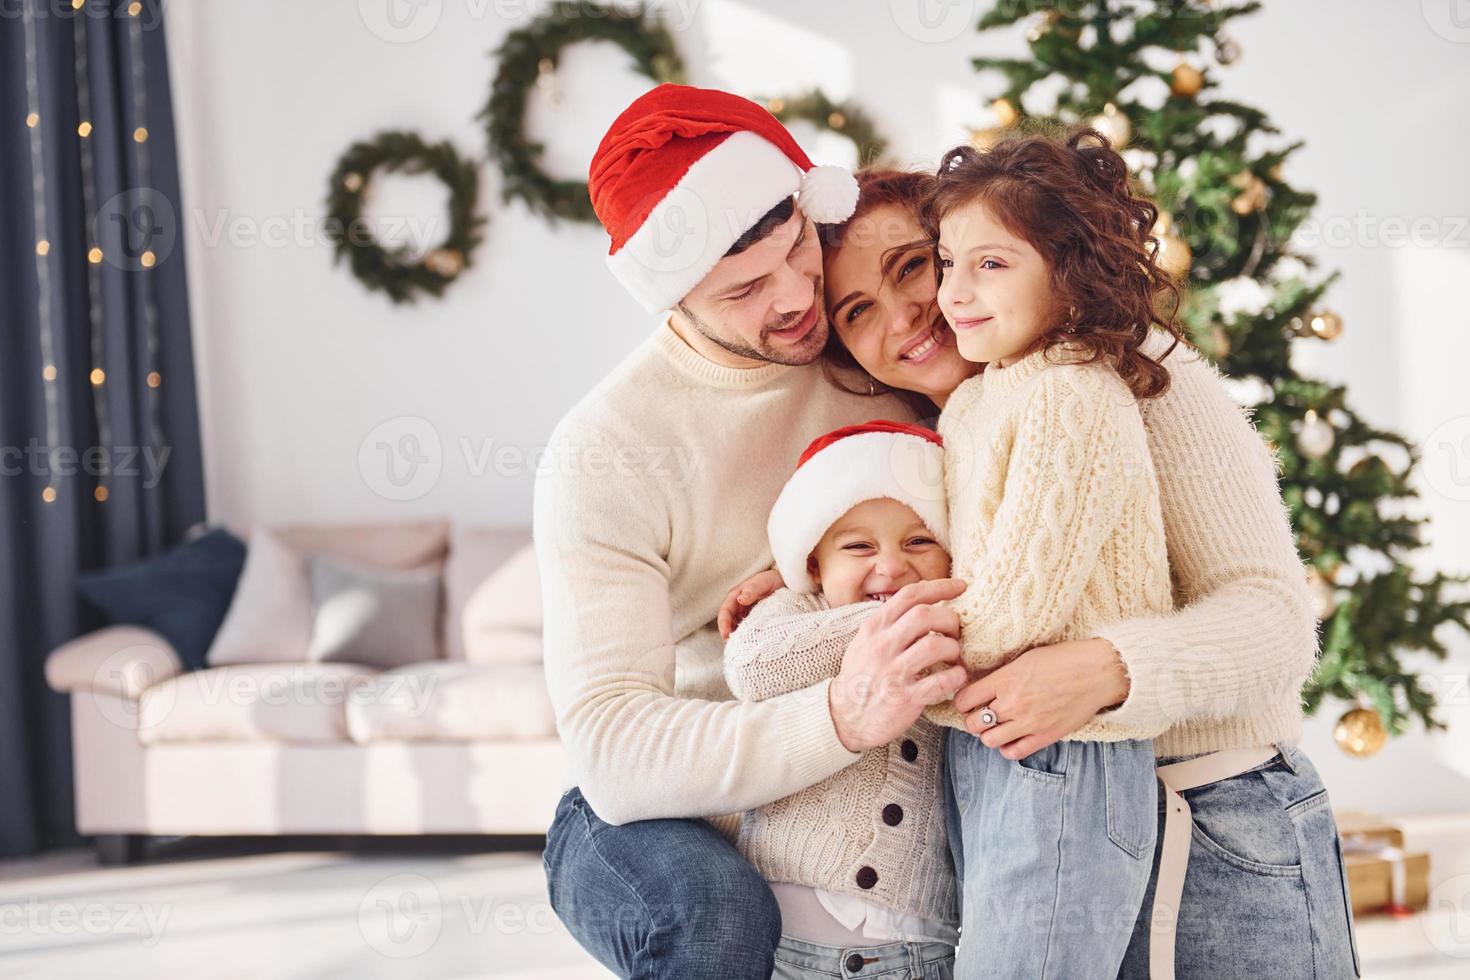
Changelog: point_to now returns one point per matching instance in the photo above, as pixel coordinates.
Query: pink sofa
(457, 739)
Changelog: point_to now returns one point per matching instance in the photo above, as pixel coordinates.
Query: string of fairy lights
(85, 130)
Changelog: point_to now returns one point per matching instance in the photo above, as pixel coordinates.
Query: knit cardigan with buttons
(874, 830)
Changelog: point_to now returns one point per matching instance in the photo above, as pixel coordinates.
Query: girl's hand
(1044, 695)
(737, 604)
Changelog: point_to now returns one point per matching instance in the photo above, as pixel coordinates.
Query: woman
(1265, 890)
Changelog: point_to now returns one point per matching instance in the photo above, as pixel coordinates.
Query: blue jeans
(659, 898)
(799, 960)
(1054, 851)
(1266, 891)
(1265, 894)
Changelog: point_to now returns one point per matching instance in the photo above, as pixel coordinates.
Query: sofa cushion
(475, 553)
(449, 701)
(270, 619)
(507, 602)
(181, 594)
(253, 702)
(380, 617)
(405, 544)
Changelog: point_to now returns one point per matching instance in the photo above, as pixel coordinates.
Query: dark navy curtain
(99, 435)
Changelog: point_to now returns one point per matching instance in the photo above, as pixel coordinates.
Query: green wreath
(396, 272)
(533, 51)
(838, 117)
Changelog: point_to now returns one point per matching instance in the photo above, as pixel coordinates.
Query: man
(710, 205)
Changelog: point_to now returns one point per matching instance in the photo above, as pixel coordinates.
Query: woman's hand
(1043, 695)
(737, 604)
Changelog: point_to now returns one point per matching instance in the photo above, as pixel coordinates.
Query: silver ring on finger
(988, 717)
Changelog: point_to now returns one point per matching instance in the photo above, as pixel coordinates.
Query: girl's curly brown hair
(1070, 198)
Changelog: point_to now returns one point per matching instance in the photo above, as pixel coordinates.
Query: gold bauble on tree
(1186, 81)
(1005, 112)
(1174, 255)
(1325, 325)
(1113, 123)
(1324, 596)
(985, 139)
(446, 262)
(1360, 732)
(1252, 196)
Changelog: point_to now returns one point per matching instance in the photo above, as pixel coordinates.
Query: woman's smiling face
(881, 300)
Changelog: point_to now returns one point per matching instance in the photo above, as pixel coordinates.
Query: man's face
(766, 302)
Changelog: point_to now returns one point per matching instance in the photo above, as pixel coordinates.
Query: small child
(860, 862)
(1047, 278)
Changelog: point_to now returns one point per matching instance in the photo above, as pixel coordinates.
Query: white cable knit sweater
(874, 830)
(1054, 515)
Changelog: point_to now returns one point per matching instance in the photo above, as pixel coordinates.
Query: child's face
(874, 550)
(996, 292)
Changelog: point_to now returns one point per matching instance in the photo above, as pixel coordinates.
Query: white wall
(305, 377)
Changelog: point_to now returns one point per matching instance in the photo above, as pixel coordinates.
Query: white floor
(213, 909)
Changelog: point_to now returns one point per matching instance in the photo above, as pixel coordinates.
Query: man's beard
(809, 349)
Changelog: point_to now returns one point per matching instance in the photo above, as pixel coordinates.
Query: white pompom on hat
(846, 467)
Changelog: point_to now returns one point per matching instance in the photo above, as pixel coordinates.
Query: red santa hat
(684, 172)
(846, 467)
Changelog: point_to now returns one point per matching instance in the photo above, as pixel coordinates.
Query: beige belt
(1178, 831)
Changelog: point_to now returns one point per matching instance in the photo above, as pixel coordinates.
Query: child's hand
(737, 604)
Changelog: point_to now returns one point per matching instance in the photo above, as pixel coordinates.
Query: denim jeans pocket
(1132, 788)
(1049, 764)
(1247, 825)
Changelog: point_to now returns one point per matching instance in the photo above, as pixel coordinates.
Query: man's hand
(1044, 694)
(885, 683)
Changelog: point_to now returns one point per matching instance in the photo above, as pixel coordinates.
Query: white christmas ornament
(1316, 436)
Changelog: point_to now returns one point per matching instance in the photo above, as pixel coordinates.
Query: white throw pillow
(270, 616)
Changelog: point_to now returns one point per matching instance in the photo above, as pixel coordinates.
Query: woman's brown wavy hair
(1070, 197)
(877, 187)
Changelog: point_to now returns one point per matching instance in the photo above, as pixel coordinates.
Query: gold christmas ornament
(776, 106)
(1174, 256)
(1253, 192)
(985, 139)
(1325, 325)
(1360, 733)
(1005, 113)
(1324, 596)
(1186, 81)
(1316, 436)
(836, 120)
(446, 262)
(1113, 123)
(352, 181)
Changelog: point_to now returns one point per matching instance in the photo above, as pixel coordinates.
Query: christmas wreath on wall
(842, 118)
(529, 56)
(397, 272)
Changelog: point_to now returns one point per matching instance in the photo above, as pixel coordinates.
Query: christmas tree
(1141, 73)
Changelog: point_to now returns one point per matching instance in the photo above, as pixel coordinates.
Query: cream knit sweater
(874, 830)
(650, 506)
(1054, 514)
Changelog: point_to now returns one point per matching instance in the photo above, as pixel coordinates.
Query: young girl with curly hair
(1048, 278)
